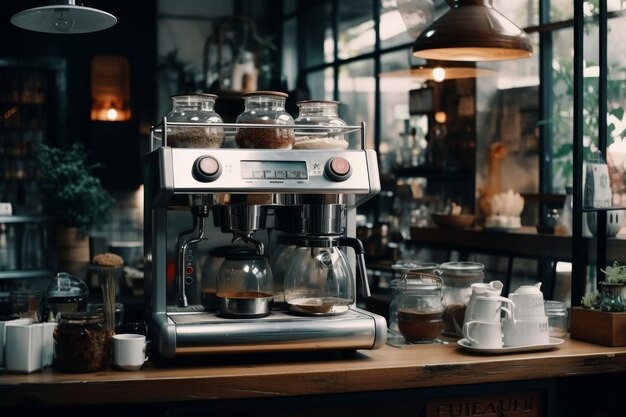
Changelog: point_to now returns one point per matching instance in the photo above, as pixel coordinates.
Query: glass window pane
(561, 10)
(289, 6)
(614, 5)
(393, 30)
(403, 138)
(356, 94)
(562, 97)
(356, 28)
(318, 42)
(413, 15)
(290, 52)
(616, 101)
(507, 116)
(562, 108)
(521, 12)
(321, 84)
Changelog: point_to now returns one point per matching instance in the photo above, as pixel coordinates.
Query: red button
(340, 166)
(189, 270)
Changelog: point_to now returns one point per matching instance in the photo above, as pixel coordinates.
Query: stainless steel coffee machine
(272, 203)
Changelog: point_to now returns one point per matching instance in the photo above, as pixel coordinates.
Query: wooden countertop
(389, 368)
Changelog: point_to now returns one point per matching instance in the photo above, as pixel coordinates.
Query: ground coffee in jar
(418, 307)
(265, 107)
(457, 278)
(82, 342)
(197, 109)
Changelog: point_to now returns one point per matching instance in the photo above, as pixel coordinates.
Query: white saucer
(554, 342)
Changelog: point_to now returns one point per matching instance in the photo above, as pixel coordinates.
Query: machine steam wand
(200, 214)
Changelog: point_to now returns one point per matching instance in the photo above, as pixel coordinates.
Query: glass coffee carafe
(318, 279)
(244, 286)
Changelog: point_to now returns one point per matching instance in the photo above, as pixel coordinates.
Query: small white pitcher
(491, 289)
(528, 300)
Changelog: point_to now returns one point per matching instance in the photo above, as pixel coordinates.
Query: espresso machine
(272, 202)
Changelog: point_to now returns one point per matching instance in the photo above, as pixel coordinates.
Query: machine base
(192, 332)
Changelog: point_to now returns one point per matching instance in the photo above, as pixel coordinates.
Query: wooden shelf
(428, 172)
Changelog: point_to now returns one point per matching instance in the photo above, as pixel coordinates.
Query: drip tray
(205, 332)
(192, 316)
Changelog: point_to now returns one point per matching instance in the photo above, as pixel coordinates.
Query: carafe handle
(359, 251)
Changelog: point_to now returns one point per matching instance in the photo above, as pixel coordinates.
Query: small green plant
(591, 300)
(615, 274)
(71, 195)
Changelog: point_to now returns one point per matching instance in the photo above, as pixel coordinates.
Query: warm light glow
(110, 89)
(112, 114)
(440, 117)
(439, 74)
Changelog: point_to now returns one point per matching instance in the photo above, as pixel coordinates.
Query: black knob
(338, 169)
(206, 169)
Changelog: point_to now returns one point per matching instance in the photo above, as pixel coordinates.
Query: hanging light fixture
(472, 30)
(63, 17)
(439, 71)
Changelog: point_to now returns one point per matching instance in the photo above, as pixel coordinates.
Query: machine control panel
(269, 170)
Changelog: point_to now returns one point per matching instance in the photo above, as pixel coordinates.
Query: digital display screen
(274, 170)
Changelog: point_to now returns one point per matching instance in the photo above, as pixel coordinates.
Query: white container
(3, 325)
(24, 347)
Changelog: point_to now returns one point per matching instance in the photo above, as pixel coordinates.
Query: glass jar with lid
(457, 278)
(320, 113)
(419, 307)
(402, 267)
(557, 318)
(66, 294)
(265, 107)
(194, 108)
(82, 342)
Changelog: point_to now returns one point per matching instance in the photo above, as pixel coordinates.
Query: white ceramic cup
(488, 309)
(129, 351)
(525, 332)
(528, 300)
(483, 335)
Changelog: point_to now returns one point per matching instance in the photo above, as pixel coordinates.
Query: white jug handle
(509, 313)
(506, 300)
(466, 331)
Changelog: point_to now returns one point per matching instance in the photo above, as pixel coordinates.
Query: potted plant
(611, 296)
(74, 200)
(601, 317)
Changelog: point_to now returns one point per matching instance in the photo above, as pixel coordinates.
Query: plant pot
(612, 300)
(72, 249)
(595, 326)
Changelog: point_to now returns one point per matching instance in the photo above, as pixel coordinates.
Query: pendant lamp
(63, 17)
(472, 30)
